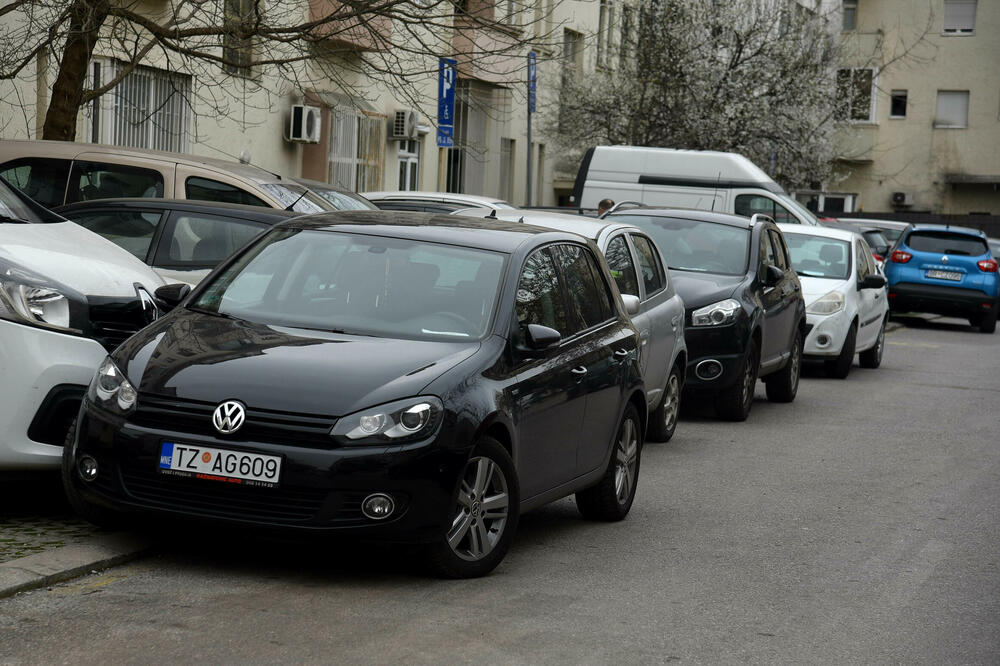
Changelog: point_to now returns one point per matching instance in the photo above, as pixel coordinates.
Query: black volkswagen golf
(396, 375)
(745, 315)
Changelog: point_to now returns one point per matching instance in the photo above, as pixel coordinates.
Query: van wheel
(611, 498)
(840, 367)
(784, 384)
(98, 515)
(664, 419)
(483, 517)
(734, 403)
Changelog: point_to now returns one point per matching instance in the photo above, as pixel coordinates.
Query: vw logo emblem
(229, 416)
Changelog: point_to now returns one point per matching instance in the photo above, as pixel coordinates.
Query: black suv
(745, 316)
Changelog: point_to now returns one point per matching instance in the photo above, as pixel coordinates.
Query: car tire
(784, 384)
(92, 513)
(478, 537)
(988, 322)
(840, 367)
(734, 403)
(872, 358)
(610, 499)
(664, 419)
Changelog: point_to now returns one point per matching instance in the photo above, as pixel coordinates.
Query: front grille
(261, 425)
(276, 505)
(113, 321)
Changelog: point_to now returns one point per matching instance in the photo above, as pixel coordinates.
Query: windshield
(695, 245)
(802, 210)
(359, 284)
(815, 256)
(305, 201)
(343, 200)
(12, 208)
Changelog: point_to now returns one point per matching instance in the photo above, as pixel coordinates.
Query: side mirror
(170, 295)
(542, 337)
(631, 304)
(772, 275)
(872, 281)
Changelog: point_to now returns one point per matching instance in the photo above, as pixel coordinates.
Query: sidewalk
(42, 542)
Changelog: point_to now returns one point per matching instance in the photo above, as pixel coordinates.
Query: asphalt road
(859, 524)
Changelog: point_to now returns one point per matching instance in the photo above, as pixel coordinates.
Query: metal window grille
(357, 150)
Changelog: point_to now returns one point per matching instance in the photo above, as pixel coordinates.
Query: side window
(44, 180)
(205, 189)
(539, 298)
(864, 268)
(589, 300)
(130, 229)
(96, 180)
(766, 251)
(749, 205)
(203, 240)
(619, 259)
(650, 264)
(780, 253)
(782, 215)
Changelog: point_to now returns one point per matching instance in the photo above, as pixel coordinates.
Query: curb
(61, 564)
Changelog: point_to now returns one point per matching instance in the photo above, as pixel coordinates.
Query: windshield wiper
(15, 220)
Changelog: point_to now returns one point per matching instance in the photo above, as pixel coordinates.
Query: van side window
(44, 180)
(206, 189)
(649, 264)
(622, 269)
(97, 180)
(782, 215)
(749, 205)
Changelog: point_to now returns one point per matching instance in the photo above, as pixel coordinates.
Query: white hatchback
(846, 300)
(67, 298)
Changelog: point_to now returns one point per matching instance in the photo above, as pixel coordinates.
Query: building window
(605, 21)
(357, 150)
(506, 191)
(147, 109)
(572, 63)
(855, 98)
(897, 104)
(850, 15)
(959, 17)
(236, 50)
(466, 162)
(952, 109)
(409, 165)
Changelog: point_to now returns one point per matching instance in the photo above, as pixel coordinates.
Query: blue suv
(947, 271)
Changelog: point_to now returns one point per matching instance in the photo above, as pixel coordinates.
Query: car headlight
(400, 421)
(111, 390)
(827, 304)
(716, 314)
(28, 303)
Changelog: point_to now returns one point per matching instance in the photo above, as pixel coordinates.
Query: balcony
(485, 49)
(352, 32)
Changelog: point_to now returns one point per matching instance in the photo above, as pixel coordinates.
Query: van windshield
(696, 245)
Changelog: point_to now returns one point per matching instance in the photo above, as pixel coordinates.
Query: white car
(433, 202)
(67, 298)
(847, 304)
(638, 271)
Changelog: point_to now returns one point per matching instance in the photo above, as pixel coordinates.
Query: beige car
(54, 173)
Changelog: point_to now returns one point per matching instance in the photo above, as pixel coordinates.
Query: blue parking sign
(447, 77)
(445, 136)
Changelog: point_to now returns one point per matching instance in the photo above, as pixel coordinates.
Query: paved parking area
(35, 517)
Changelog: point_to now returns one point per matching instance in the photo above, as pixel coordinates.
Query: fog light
(710, 369)
(823, 340)
(378, 506)
(87, 467)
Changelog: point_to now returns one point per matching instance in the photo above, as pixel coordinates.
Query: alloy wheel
(481, 510)
(671, 402)
(627, 454)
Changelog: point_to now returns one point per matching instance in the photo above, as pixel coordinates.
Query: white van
(702, 179)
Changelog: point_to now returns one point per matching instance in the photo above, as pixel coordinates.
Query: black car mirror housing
(170, 295)
(541, 337)
(872, 281)
(772, 275)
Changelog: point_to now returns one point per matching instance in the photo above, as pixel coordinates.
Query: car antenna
(291, 206)
(493, 213)
(717, 180)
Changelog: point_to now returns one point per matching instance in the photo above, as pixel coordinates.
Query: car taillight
(878, 257)
(988, 265)
(900, 257)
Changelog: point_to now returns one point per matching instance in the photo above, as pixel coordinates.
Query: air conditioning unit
(304, 124)
(404, 126)
(902, 198)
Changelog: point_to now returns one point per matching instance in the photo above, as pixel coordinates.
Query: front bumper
(321, 488)
(724, 344)
(826, 333)
(40, 368)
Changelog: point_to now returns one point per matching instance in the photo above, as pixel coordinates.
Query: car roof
(499, 236)
(425, 195)
(967, 231)
(192, 205)
(70, 150)
(823, 232)
(578, 224)
(687, 214)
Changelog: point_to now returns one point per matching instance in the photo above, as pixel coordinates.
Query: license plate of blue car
(944, 275)
(220, 465)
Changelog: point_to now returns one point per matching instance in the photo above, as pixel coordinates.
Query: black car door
(789, 289)
(774, 321)
(549, 395)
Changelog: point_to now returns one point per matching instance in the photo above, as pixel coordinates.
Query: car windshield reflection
(695, 245)
(813, 256)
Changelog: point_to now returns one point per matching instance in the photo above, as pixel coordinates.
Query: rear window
(943, 242)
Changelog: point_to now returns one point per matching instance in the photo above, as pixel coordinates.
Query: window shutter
(959, 15)
(952, 108)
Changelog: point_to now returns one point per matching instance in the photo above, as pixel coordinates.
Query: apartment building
(362, 134)
(918, 109)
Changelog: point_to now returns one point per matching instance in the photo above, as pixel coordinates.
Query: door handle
(580, 371)
(622, 354)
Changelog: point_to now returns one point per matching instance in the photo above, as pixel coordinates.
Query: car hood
(68, 254)
(813, 288)
(203, 357)
(700, 289)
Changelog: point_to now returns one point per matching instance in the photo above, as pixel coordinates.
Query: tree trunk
(86, 18)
